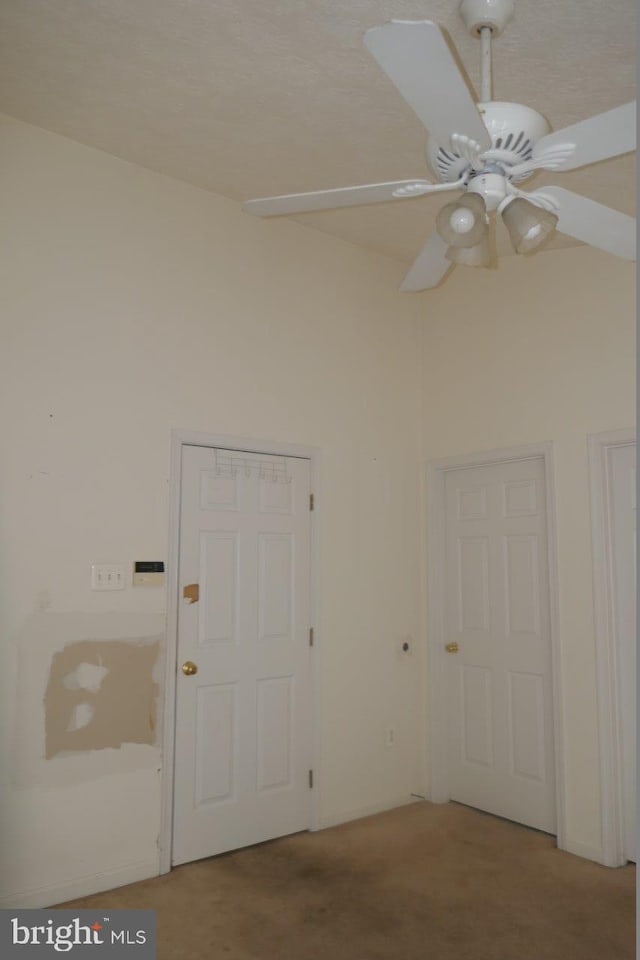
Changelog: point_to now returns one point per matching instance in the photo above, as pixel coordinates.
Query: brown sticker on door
(100, 694)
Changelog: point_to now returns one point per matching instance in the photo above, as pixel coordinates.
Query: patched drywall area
(93, 651)
(43, 814)
(100, 694)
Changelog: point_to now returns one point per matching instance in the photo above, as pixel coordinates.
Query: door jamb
(609, 734)
(435, 486)
(179, 439)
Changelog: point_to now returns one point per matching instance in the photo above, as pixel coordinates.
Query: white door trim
(599, 445)
(435, 498)
(180, 438)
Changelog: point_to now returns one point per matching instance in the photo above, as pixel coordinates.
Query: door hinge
(310, 636)
(311, 779)
(311, 501)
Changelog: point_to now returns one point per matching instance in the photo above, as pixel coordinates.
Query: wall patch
(100, 695)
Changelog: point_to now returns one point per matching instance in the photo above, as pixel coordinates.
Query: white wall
(133, 304)
(542, 350)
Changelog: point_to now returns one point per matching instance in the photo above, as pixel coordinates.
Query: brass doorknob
(189, 668)
(452, 647)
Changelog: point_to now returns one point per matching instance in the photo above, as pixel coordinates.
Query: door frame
(436, 760)
(609, 719)
(179, 439)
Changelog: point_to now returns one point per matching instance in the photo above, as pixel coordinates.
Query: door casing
(180, 438)
(609, 718)
(436, 760)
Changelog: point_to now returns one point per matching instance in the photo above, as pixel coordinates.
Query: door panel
(473, 567)
(243, 721)
(521, 563)
(274, 732)
(219, 588)
(477, 711)
(275, 587)
(526, 724)
(215, 746)
(499, 714)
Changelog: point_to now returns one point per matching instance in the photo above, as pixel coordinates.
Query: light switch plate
(107, 576)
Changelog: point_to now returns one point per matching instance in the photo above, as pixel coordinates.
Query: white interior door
(498, 681)
(243, 720)
(622, 507)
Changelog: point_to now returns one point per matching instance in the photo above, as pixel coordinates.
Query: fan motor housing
(514, 129)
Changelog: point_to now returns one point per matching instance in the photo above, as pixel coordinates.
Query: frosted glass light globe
(463, 223)
(528, 224)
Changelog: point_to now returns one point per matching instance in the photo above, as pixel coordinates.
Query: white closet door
(243, 720)
(499, 692)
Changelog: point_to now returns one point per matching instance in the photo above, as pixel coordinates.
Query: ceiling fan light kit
(476, 256)
(528, 225)
(483, 149)
(463, 223)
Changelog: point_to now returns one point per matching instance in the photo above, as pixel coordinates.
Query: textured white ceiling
(249, 98)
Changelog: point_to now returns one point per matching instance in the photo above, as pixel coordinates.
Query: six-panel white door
(243, 721)
(499, 694)
(622, 507)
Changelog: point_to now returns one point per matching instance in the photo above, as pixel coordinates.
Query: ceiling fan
(484, 150)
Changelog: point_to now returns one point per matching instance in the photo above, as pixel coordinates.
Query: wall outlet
(390, 738)
(107, 576)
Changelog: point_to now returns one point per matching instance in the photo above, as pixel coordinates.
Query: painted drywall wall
(133, 304)
(542, 350)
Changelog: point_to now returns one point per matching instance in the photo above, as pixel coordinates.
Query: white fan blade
(342, 197)
(598, 138)
(416, 58)
(593, 223)
(429, 267)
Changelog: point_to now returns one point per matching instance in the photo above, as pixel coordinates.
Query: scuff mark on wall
(100, 694)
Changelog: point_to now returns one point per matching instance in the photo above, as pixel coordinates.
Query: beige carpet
(419, 883)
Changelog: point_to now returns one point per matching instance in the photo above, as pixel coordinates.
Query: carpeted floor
(421, 882)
